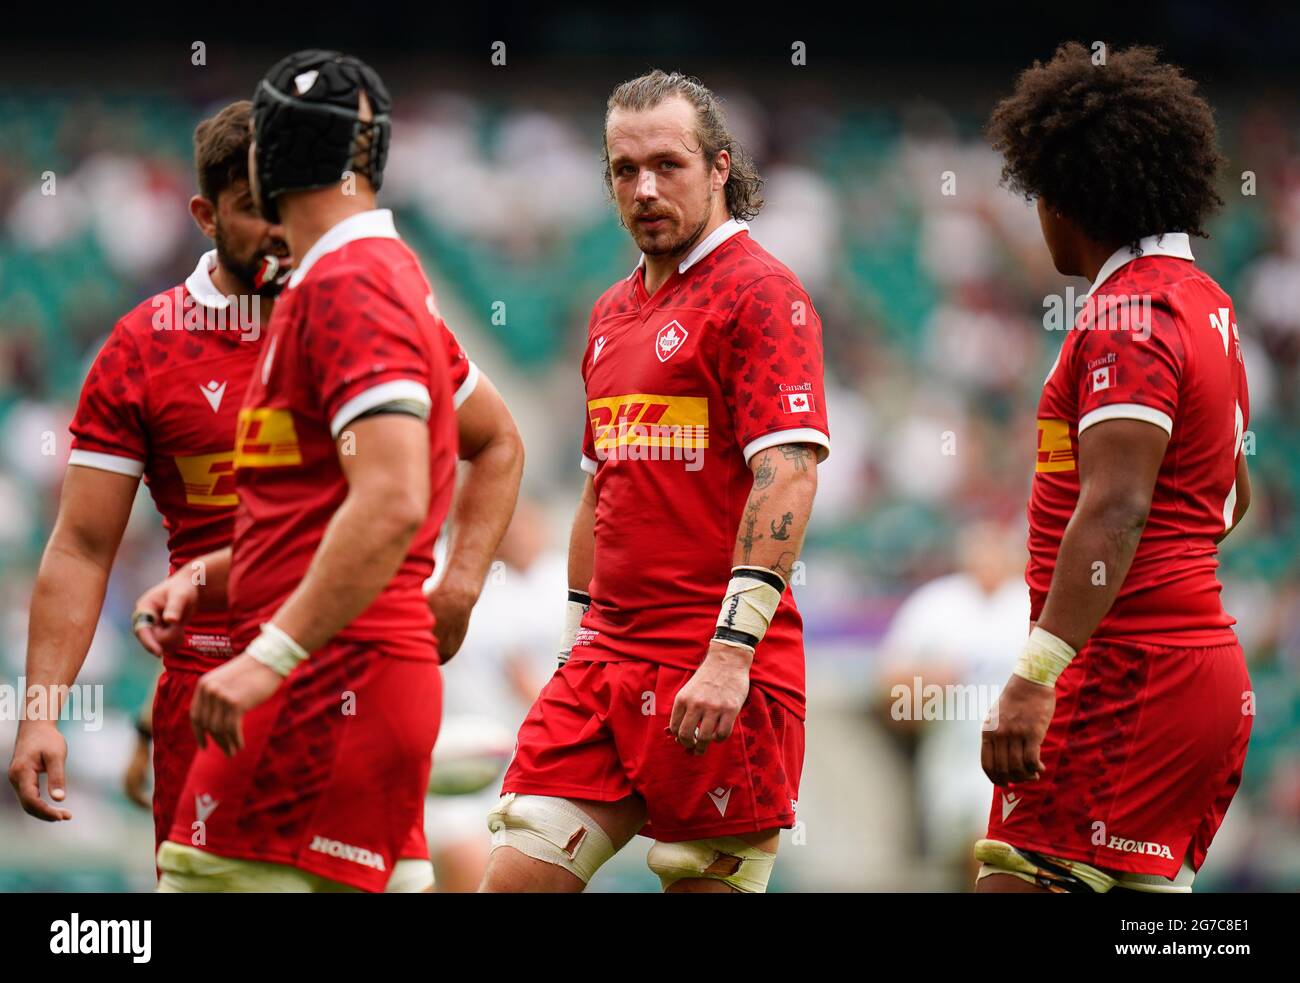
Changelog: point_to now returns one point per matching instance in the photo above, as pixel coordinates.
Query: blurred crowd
(932, 282)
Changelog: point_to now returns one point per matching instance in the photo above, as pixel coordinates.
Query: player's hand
(135, 782)
(1013, 735)
(451, 605)
(39, 748)
(160, 614)
(706, 708)
(224, 695)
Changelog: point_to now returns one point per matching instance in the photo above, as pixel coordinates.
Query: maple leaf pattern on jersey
(774, 340)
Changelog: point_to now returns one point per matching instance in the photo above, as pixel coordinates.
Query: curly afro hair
(1124, 149)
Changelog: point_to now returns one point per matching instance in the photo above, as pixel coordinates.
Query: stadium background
(933, 307)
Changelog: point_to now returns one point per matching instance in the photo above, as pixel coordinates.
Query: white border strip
(466, 388)
(385, 392)
(1128, 411)
(128, 466)
(799, 435)
(588, 465)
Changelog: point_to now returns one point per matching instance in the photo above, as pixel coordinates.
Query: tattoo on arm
(764, 473)
(784, 566)
(799, 455)
(747, 535)
(782, 531)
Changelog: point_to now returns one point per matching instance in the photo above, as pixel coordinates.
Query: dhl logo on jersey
(209, 478)
(266, 438)
(645, 420)
(1055, 452)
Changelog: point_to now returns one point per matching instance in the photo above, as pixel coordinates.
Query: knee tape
(1071, 876)
(550, 829)
(726, 858)
(410, 876)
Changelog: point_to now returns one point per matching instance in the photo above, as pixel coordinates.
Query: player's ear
(721, 169)
(204, 214)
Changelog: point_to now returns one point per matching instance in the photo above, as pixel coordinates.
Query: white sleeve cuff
(799, 435)
(589, 465)
(385, 392)
(1127, 411)
(466, 387)
(128, 466)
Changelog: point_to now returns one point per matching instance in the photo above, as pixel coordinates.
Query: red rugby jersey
(683, 388)
(356, 327)
(1156, 341)
(161, 401)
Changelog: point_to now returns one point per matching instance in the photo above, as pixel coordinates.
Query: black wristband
(732, 635)
(769, 577)
(580, 597)
(143, 729)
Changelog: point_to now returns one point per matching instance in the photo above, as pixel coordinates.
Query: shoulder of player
(767, 287)
(753, 267)
(617, 296)
(618, 300)
(143, 319)
(143, 324)
(1147, 298)
(1162, 279)
(361, 267)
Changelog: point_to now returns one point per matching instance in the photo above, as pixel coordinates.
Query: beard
(256, 275)
(663, 245)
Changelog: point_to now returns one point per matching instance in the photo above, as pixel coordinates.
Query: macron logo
(599, 347)
(213, 393)
(1221, 322)
(720, 798)
(204, 806)
(1009, 803)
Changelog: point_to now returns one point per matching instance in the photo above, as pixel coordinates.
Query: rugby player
(678, 710)
(1118, 743)
(159, 402)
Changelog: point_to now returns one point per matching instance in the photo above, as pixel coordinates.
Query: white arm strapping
(276, 650)
(1044, 658)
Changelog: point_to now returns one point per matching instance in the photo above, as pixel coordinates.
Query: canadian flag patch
(1103, 378)
(797, 402)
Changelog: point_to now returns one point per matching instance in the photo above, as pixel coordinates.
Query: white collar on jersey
(374, 224)
(715, 239)
(1175, 244)
(200, 285)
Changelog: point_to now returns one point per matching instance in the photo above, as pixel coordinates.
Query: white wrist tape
(753, 595)
(276, 650)
(1044, 658)
(578, 605)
